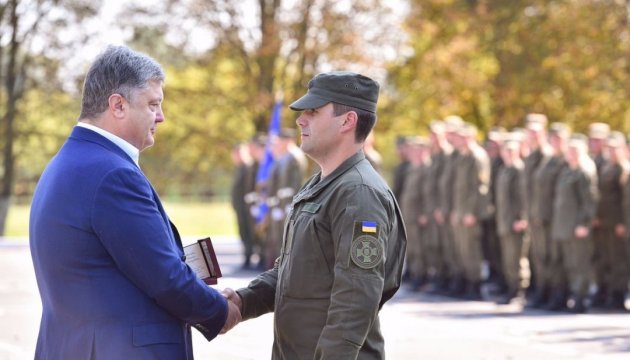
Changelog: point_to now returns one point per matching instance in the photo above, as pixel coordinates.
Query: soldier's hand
(469, 220)
(519, 226)
(234, 309)
(439, 218)
(581, 232)
(423, 220)
(620, 230)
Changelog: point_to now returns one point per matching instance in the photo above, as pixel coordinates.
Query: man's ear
(117, 105)
(349, 121)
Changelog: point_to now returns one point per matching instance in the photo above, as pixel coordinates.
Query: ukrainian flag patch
(368, 227)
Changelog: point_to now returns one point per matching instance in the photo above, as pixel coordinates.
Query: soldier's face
(319, 131)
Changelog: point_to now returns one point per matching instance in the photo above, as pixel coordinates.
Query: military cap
(535, 126)
(496, 133)
(401, 140)
(578, 140)
(341, 87)
(453, 123)
(259, 139)
(536, 118)
(511, 144)
(517, 133)
(467, 129)
(598, 130)
(616, 139)
(560, 129)
(417, 141)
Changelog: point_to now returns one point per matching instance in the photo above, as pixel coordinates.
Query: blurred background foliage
(489, 61)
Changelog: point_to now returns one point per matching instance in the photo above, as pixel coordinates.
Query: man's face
(144, 113)
(319, 131)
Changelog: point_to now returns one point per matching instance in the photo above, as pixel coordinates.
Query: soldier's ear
(349, 121)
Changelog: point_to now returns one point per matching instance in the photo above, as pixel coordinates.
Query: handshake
(235, 307)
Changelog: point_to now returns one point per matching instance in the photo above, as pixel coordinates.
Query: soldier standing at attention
(573, 213)
(439, 149)
(285, 179)
(344, 239)
(539, 153)
(401, 169)
(613, 261)
(445, 204)
(510, 217)
(551, 276)
(412, 205)
(470, 201)
(598, 132)
(242, 183)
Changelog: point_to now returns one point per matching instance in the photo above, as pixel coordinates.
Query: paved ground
(416, 326)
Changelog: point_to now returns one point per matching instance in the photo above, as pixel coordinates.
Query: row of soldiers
(261, 195)
(528, 211)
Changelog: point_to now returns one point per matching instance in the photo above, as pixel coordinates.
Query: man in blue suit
(109, 263)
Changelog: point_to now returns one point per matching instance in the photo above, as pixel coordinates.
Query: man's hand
(470, 220)
(234, 309)
(581, 231)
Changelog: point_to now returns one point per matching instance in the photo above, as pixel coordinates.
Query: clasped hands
(235, 307)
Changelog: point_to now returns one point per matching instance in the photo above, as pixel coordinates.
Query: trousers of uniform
(468, 244)
(577, 256)
(450, 260)
(431, 247)
(415, 256)
(512, 250)
(612, 261)
(539, 253)
(558, 279)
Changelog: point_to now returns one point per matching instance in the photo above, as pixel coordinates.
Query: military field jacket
(341, 260)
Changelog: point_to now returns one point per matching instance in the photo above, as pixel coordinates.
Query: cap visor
(308, 101)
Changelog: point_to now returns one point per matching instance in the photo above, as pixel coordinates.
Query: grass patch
(191, 219)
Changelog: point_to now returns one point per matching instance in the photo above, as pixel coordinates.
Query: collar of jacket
(84, 134)
(316, 184)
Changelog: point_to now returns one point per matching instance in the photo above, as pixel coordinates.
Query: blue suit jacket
(109, 264)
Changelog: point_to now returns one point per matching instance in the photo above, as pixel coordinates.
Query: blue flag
(264, 169)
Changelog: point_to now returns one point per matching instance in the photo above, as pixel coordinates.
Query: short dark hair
(365, 120)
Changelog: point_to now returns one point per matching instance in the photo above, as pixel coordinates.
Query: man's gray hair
(118, 70)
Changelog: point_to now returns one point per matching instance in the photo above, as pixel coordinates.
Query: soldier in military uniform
(243, 182)
(285, 179)
(344, 239)
(573, 212)
(510, 217)
(470, 202)
(551, 275)
(412, 205)
(401, 169)
(540, 151)
(253, 197)
(598, 132)
(613, 260)
(439, 150)
(489, 235)
(442, 213)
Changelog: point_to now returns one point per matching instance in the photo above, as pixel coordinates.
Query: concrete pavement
(415, 326)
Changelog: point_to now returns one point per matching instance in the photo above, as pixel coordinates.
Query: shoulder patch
(366, 252)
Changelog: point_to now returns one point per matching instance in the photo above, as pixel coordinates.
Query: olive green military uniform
(286, 178)
(545, 253)
(551, 275)
(445, 204)
(612, 261)
(574, 205)
(625, 184)
(341, 260)
(470, 197)
(430, 185)
(244, 181)
(509, 209)
(538, 250)
(411, 206)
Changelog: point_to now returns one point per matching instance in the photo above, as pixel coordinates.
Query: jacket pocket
(150, 334)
